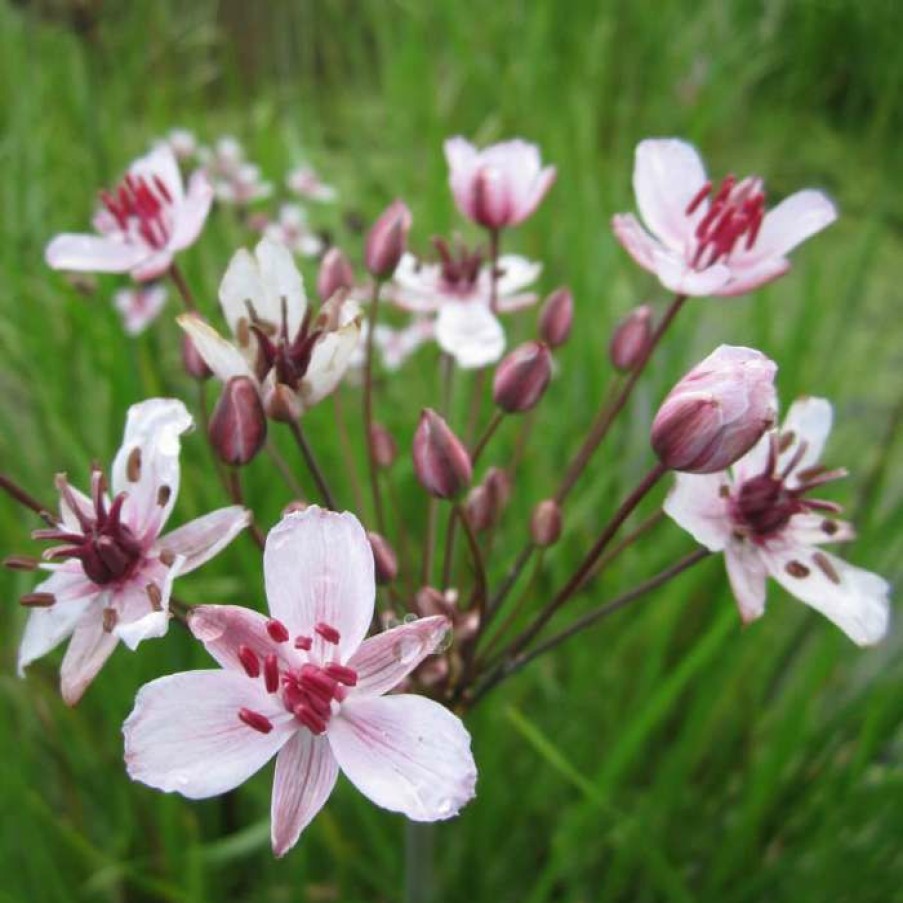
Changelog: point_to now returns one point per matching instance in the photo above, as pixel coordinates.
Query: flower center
(736, 211)
(106, 547)
(140, 205)
(311, 691)
(763, 505)
(460, 267)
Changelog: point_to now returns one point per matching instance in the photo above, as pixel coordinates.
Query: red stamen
(303, 642)
(328, 632)
(249, 661)
(698, 198)
(256, 720)
(309, 719)
(346, 676)
(271, 673)
(277, 630)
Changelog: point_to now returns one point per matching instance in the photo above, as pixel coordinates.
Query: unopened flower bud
(631, 338)
(384, 558)
(441, 461)
(294, 506)
(545, 523)
(522, 376)
(335, 273)
(195, 366)
(383, 447)
(717, 412)
(556, 317)
(429, 601)
(387, 240)
(238, 426)
(486, 502)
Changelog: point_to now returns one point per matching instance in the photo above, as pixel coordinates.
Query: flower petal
(184, 733)
(747, 278)
(46, 628)
(146, 466)
(153, 266)
(698, 504)
(92, 254)
(161, 164)
(199, 540)
(854, 599)
(810, 421)
(462, 157)
(223, 628)
(528, 201)
(86, 654)
(667, 175)
(817, 529)
(141, 617)
(414, 285)
(793, 221)
(282, 284)
(406, 753)
(331, 357)
(191, 214)
(318, 567)
(676, 275)
(746, 572)
(222, 357)
(638, 243)
(471, 333)
(306, 772)
(139, 306)
(384, 660)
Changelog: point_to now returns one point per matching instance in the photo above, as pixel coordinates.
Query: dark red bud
(387, 240)
(335, 274)
(238, 426)
(631, 338)
(383, 447)
(486, 502)
(545, 523)
(521, 378)
(384, 558)
(441, 460)
(195, 366)
(556, 317)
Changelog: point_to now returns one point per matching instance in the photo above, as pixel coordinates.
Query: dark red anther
(317, 682)
(328, 632)
(344, 675)
(698, 198)
(309, 719)
(38, 600)
(249, 660)
(255, 720)
(277, 630)
(303, 642)
(161, 187)
(271, 673)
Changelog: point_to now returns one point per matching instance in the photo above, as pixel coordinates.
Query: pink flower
(142, 224)
(459, 290)
(116, 571)
(760, 517)
(139, 305)
(304, 181)
(277, 341)
(304, 685)
(292, 230)
(500, 185)
(711, 243)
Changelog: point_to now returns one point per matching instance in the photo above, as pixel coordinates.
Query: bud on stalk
(238, 426)
(521, 378)
(486, 502)
(383, 447)
(195, 366)
(441, 461)
(717, 412)
(545, 523)
(556, 317)
(384, 558)
(387, 239)
(631, 339)
(335, 274)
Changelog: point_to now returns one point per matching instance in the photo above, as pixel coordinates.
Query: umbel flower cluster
(334, 675)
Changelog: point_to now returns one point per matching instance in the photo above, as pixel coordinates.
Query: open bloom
(707, 241)
(759, 514)
(142, 224)
(139, 305)
(458, 290)
(294, 358)
(500, 185)
(304, 181)
(292, 230)
(112, 571)
(306, 686)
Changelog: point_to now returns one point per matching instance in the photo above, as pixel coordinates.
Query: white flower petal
(189, 217)
(793, 221)
(282, 284)
(223, 358)
(678, 276)
(306, 772)
(331, 357)
(86, 654)
(638, 243)
(471, 334)
(810, 420)
(698, 503)
(406, 753)
(224, 628)
(746, 572)
(93, 254)
(199, 540)
(184, 733)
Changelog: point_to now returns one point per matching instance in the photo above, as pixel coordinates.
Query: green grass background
(667, 756)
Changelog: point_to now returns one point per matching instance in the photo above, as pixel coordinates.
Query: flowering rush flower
(458, 289)
(304, 685)
(292, 230)
(277, 340)
(500, 185)
(142, 224)
(304, 181)
(235, 180)
(112, 571)
(139, 305)
(759, 514)
(703, 240)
